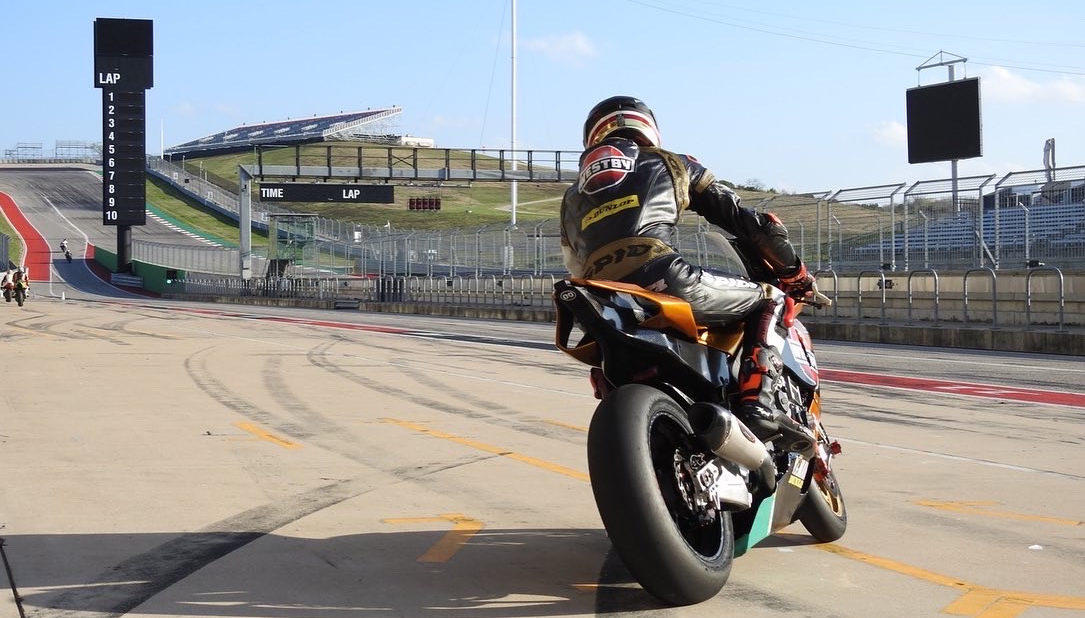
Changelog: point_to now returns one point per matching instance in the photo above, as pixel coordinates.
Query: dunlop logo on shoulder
(608, 208)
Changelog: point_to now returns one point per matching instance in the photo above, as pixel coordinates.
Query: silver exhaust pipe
(725, 435)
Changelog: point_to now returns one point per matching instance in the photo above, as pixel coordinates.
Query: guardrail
(942, 306)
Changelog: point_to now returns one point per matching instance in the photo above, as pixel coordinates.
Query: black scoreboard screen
(944, 121)
(122, 69)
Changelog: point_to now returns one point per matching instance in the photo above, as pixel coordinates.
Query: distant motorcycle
(15, 286)
(20, 291)
(68, 256)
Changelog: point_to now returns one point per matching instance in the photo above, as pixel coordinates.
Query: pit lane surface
(170, 459)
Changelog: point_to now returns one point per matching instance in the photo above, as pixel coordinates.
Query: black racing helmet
(622, 116)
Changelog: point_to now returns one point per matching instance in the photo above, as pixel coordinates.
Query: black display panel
(123, 51)
(123, 37)
(944, 122)
(310, 192)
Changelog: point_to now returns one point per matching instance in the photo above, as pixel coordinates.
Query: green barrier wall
(105, 258)
(154, 277)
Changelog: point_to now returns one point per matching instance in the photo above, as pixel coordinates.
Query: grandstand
(1043, 222)
(368, 125)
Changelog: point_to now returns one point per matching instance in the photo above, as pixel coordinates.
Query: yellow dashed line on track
(496, 450)
(979, 508)
(976, 600)
(261, 433)
(566, 425)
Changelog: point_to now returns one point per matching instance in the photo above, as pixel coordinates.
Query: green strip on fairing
(761, 528)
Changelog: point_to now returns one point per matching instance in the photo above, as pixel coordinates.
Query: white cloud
(891, 133)
(1001, 84)
(185, 108)
(573, 48)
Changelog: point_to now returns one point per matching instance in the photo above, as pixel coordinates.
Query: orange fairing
(815, 406)
(673, 311)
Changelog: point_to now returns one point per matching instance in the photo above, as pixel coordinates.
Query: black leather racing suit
(618, 223)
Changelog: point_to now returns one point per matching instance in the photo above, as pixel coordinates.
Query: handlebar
(815, 299)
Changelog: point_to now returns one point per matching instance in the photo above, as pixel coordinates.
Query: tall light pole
(513, 187)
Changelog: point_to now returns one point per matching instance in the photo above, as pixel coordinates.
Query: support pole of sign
(245, 221)
(953, 172)
(124, 248)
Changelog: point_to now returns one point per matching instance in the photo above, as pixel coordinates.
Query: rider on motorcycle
(618, 222)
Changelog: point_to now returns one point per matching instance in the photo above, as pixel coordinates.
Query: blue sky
(799, 96)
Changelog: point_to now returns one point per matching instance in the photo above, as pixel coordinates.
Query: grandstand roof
(291, 131)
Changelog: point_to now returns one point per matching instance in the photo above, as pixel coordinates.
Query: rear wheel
(639, 449)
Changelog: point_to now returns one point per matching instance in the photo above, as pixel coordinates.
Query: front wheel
(823, 513)
(639, 449)
(20, 296)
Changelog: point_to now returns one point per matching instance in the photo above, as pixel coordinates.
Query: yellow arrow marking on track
(978, 508)
(462, 530)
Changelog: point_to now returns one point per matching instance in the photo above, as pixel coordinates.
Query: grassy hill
(463, 205)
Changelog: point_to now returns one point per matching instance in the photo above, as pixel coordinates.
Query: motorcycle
(681, 484)
(16, 290)
(68, 256)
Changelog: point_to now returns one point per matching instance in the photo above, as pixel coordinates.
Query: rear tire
(637, 436)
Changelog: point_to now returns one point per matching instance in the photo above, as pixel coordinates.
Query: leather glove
(800, 285)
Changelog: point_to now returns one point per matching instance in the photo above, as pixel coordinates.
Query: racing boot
(758, 406)
(759, 382)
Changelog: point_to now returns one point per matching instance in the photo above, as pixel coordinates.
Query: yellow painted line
(976, 600)
(463, 529)
(567, 425)
(261, 433)
(977, 508)
(538, 463)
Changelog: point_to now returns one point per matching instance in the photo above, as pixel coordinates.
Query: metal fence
(1030, 299)
(1035, 217)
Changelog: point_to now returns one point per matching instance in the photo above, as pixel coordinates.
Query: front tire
(823, 512)
(20, 296)
(636, 442)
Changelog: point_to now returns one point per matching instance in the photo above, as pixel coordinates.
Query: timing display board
(124, 189)
(944, 121)
(123, 71)
(312, 192)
